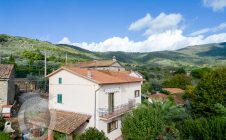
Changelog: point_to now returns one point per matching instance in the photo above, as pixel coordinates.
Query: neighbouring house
(102, 65)
(26, 85)
(107, 65)
(177, 94)
(7, 86)
(157, 96)
(84, 97)
(174, 90)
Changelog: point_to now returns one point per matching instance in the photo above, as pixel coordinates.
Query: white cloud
(169, 40)
(163, 33)
(159, 24)
(65, 40)
(206, 30)
(141, 23)
(216, 5)
(202, 31)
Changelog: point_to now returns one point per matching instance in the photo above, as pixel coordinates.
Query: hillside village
(97, 95)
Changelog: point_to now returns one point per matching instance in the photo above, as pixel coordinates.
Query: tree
(213, 128)
(146, 87)
(178, 81)
(91, 134)
(180, 71)
(199, 73)
(152, 121)
(209, 91)
(143, 122)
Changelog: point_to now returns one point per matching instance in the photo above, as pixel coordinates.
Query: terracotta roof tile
(5, 71)
(96, 63)
(174, 90)
(101, 76)
(159, 96)
(61, 121)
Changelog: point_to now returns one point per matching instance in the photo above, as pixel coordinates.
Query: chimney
(89, 74)
(114, 58)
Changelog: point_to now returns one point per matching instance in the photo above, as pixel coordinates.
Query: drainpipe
(95, 106)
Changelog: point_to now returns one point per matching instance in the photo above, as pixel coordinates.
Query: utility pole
(66, 59)
(0, 58)
(45, 73)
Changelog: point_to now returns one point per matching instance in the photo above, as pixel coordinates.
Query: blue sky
(117, 25)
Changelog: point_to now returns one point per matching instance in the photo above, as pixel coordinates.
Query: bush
(146, 88)
(178, 81)
(204, 129)
(4, 136)
(91, 134)
(144, 122)
(59, 136)
(199, 73)
(209, 91)
(2, 123)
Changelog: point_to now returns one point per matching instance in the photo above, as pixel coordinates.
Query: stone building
(7, 86)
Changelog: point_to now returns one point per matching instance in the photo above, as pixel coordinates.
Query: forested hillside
(28, 55)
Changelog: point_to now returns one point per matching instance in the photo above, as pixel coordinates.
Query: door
(111, 102)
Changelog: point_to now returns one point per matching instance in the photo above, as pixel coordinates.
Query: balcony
(106, 114)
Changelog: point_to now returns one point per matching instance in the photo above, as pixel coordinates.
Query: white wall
(114, 67)
(78, 94)
(126, 92)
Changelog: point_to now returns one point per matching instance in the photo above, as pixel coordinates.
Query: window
(59, 98)
(111, 102)
(137, 93)
(60, 80)
(112, 126)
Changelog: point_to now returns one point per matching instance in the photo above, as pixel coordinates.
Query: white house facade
(103, 95)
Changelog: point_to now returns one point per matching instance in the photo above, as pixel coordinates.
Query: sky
(117, 25)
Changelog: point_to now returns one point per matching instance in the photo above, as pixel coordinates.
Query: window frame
(109, 129)
(137, 93)
(60, 80)
(59, 98)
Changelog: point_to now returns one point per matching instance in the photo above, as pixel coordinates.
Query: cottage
(113, 65)
(102, 65)
(92, 98)
(7, 87)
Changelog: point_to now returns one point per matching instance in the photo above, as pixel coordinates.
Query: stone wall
(3, 92)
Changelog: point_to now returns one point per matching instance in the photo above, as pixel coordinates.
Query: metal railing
(106, 113)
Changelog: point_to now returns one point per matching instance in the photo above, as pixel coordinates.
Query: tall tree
(178, 81)
(209, 91)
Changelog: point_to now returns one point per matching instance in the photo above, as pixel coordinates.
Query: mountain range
(191, 56)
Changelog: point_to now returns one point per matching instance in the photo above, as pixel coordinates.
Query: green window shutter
(60, 81)
(59, 98)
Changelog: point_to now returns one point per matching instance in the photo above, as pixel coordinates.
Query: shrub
(144, 122)
(91, 134)
(209, 91)
(59, 136)
(2, 123)
(204, 129)
(4, 136)
(178, 81)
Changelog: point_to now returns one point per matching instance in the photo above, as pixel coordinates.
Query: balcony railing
(105, 113)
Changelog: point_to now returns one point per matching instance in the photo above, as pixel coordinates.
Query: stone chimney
(114, 58)
(89, 74)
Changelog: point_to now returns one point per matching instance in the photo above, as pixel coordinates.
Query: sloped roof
(61, 121)
(174, 90)
(101, 76)
(159, 96)
(178, 100)
(5, 71)
(96, 63)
